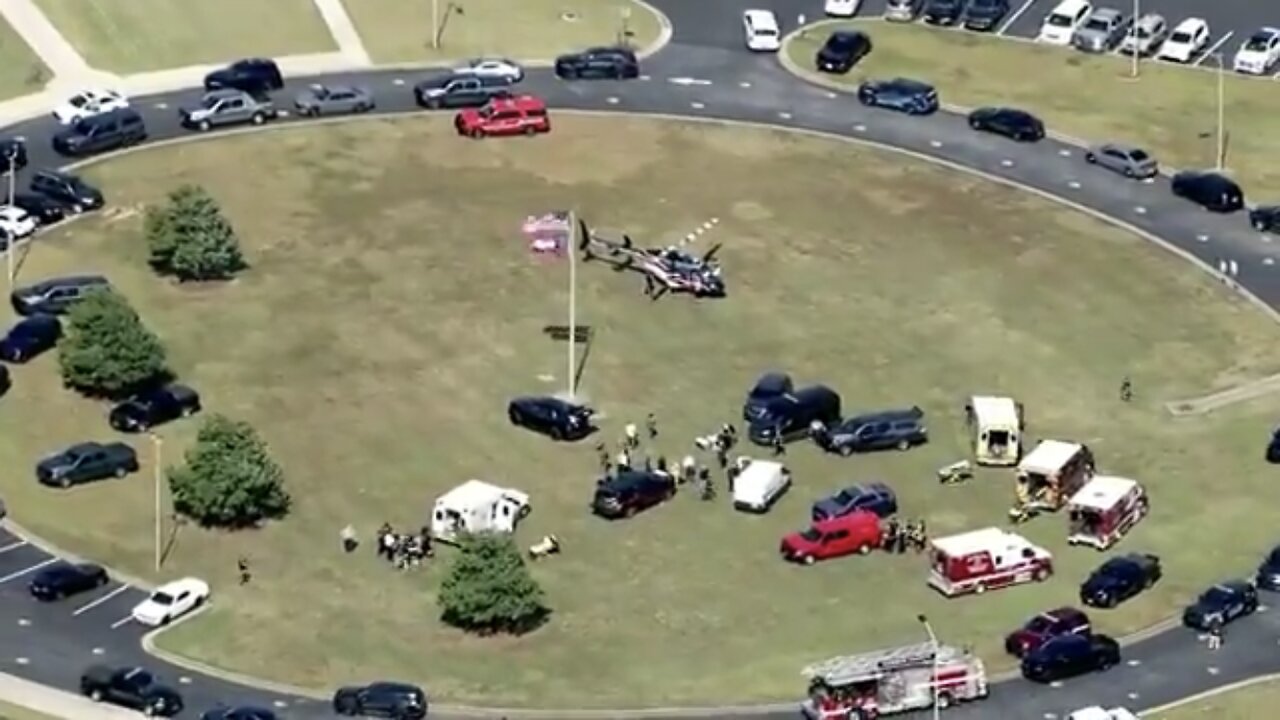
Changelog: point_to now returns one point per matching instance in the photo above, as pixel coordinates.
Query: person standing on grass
(651, 426)
(242, 565)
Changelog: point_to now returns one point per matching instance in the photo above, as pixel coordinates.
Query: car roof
(894, 415)
(1106, 14)
(908, 83)
(225, 93)
(519, 102)
(847, 35)
(77, 280)
(187, 583)
(1190, 24)
(761, 19)
(856, 517)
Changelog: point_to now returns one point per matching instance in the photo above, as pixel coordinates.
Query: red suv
(520, 115)
(857, 532)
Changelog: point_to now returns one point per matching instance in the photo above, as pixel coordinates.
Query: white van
(761, 29)
(759, 485)
(1061, 24)
(841, 8)
(1097, 712)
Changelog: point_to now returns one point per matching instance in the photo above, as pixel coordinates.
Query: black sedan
(238, 713)
(399, 701)
(30, 337)
(601, 63)
(1210, 190)
(944, 12)
(553, 417)
(908, 96)
(44, 209)
(1265, 218)
(985, 15)
(1070, 655)
(1221, 604)
(1268, 576)
(154, 407)
(1012, 123)
(62, 580)
(86, 462)
(1119, 579)
(842, 50)
(769, 387)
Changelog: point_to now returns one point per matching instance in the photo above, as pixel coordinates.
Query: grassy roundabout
(21, 71)
(393, 308)
(1170, 110)
(141, 35)
(398, 31)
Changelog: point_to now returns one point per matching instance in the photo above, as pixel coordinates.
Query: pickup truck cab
(458, 90)
(226, 107)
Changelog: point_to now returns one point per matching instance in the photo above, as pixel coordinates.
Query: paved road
(52, 643)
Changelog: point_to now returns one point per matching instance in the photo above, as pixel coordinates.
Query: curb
(1198, 697)
(148, 642)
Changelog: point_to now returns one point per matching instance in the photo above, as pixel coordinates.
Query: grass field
(14, 712)
(1172, 111)
(398, 31)
(21, 71)
(1249, 703)
(139, 35)
(393, 308)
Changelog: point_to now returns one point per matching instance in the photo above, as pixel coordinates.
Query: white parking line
(860, 128)
(1074, 184)
(1006, 163)
(13, 546)
(91, 605)
(33, 568)
(1268, 261)
(1213, 49)
(122, 621)
(1014, 17)
(398, 81)
(162, 106)
(744, 84)
(696, 105)
(784, 115)
(1202, 238)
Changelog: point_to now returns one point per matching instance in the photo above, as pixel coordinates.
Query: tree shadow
(176, 523)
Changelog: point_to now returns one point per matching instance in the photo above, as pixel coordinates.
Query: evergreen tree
(191, 239)
(229, 479)
(489, 589)
(106, 350)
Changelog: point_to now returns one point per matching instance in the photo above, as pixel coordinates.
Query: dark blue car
(30, 337)
(873, 497)
(1221, 604)
(1268, 577)
(770, 386)
(1070, 655)
(1119, 579)
(907, 96)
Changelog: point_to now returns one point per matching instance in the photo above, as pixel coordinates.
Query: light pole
(10, 241)
(1133, 33)
(156, 445)
(1222, 110)
(933, 641)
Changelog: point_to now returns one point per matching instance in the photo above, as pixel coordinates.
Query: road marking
(23, 622)
(13, 546)
(1006, 163)
(1055, 684)
(784, 115)
(1148, 181)
(99, 651)
(91, 605)
(1265, 238)
(645, 77)
(1014, 17)
(832, 96)
(280, 704)
(611, 100)
(33, 568)
(122, 621)
(1213, 670)
(696, 105)
(1134, 663)
(860, 128)
(1213, 49)
(1267, 261)
(184, 680)
(283, 113)
(1133, 696)
(398, 81)
(162, 106)
(744, 84)
(22, 661)
(935, 143)
(1074, 184)
(1064, 152)
(1140, 210)
(1202, 238)
(688, 81)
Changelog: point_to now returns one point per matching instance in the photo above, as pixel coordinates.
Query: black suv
(1070, 655)
(601, 63)
(100, 133)
(792, 416)
(842, 50)
(154, 407)
(68, 189)
(944, 12)
(900, 429)
(43, 208)
(133, 687)
(770, 386)
(629, 492)
(460, 90)
(551, 416)
(55, 296)
(398, 701)
(1221, 604)
(13, 154)
(1119, 579)
(30, 337)
(1209, 190)
(985, 15)
(86, 462)
(256, 76)
(1012, 123)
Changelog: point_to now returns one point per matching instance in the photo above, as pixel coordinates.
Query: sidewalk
(56, 703)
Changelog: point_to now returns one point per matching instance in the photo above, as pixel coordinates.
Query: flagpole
(573, 303)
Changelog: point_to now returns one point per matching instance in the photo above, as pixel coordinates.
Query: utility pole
(156, 444)
(10, 241)
(1133, 33)
(1222, 111)
(435, 24)
(933, 641)
(572, 250)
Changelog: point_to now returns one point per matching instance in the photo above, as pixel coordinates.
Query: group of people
(404, 550)
(901, 536)
(689, 472)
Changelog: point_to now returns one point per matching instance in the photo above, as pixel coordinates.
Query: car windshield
(79, 101)
(842, 42)
(1115, 567)
(1057, 20)
(766, 32)
(811, 535)
(1138, 156)
(1216, 596)
(844, 497)
(1040, 624)
(1097, 24)
(1145, 31)
(210, 101)
(161, 598)
(1181, 37)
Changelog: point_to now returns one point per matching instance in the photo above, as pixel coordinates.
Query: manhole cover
(569, 16)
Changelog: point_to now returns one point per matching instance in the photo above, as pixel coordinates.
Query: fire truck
(884, 682)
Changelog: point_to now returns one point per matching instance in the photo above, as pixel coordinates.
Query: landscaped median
(1170, 110)
(396, 31)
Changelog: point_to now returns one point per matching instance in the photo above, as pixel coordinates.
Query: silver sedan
(1132, 162)
(333, 100)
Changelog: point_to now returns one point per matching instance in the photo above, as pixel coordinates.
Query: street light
(1222, 111)
(10, 240)
(933, 641)
(1133, 33)
(156, 445)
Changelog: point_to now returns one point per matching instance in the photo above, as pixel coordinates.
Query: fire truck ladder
(853, 668)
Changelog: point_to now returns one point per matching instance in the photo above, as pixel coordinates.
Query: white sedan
(508, 70)
(1186, 41)
(171, 601)
(841, 8)
(88, 103)
(1259, 53)
(16, 222)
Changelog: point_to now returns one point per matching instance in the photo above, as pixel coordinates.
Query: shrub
(191, 239)
(229, 479)
(489, 589)
(106, 350)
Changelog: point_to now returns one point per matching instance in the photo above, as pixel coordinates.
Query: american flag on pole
(549, 234)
